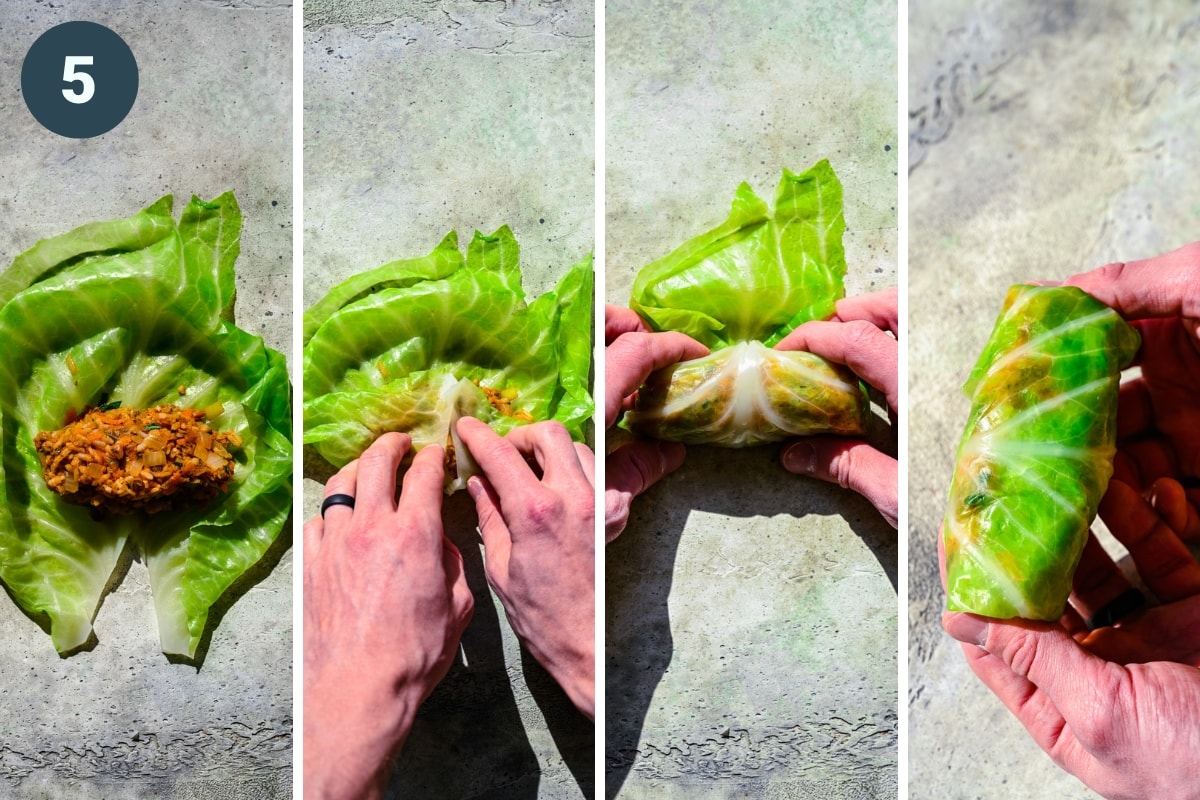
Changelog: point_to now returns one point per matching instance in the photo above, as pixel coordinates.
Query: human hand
(857, 337)
(631, 353)
(538, 529)
(385, 602)
(1158, 412)
(1118, 706)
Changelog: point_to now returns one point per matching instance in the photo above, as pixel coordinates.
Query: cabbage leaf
(129, 311)
(415, 344)
(753, 278)
(1036, 454)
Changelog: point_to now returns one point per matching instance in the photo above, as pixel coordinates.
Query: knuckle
(616, 513)
(846, 467)
(545, 509)
(643, 468)
(1023, 652)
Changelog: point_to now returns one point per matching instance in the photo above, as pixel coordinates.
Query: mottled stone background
(751, 613)
(1045, 139)
(213, 113)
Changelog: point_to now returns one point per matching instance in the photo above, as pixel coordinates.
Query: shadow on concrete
(574, 734)
(637, 629)
(639, 569)
(468, 739)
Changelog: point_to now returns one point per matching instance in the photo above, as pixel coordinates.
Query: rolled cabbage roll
(749, 394)
(1037, 452)
(739, 289)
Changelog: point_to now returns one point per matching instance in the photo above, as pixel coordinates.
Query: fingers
(1165, 286)
(462, 602)
(497, 539)
(1162, 559)
(420, 505)
(851, 464)
(344, 481)
(1135, 412)
(630, 359)
(1163, 633)
(550, 445)
(500, 461)
(619, 320)
(1097, 582)
(1073, 680)
(878, 308)
(587, 462)
(313, 531)
(1170, 501)
(860, 345)
(1032, 708)
(375, 487)
(630, 470)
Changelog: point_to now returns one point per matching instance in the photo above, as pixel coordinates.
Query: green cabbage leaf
(415, 344)
(128, 312)
(1036, 454)
(752, 279)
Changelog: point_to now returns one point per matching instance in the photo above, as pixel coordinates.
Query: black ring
(1125, 604)
(336, 500)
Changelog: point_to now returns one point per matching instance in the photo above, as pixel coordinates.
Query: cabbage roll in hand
(1036, 454)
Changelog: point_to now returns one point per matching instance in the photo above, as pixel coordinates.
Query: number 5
(71, 76)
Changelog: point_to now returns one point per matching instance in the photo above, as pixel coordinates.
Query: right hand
(539, 539)
(857, 336)
(631, 353)
(1158, 413)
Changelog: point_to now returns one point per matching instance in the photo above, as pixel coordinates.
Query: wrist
(574, 670)
(352, 734)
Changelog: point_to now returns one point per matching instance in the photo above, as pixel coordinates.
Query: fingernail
(800, 457)
(672, 454)
(474, 487)
(966, 628)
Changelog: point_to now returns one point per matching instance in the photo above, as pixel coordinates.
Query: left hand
(385, 603)
(631, 353)
(538, 529)
(1118, 706)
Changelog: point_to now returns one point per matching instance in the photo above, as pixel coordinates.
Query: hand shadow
(468, 739)
(640, 565)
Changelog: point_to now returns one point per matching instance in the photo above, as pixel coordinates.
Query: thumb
(497, 541)
(630, 470)
(1075, 681)
(850, 463)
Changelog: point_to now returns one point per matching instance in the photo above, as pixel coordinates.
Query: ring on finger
(336, 500)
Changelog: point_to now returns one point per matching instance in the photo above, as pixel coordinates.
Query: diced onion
(214, 461)
(155, 458)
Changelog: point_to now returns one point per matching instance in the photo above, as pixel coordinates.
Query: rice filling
(122, 460)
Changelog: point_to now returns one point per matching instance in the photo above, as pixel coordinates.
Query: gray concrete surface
(1045, 139)
(422, 117)
(750, 613)
(213, 113)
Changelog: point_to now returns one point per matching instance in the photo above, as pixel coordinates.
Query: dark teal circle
(113, 71)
